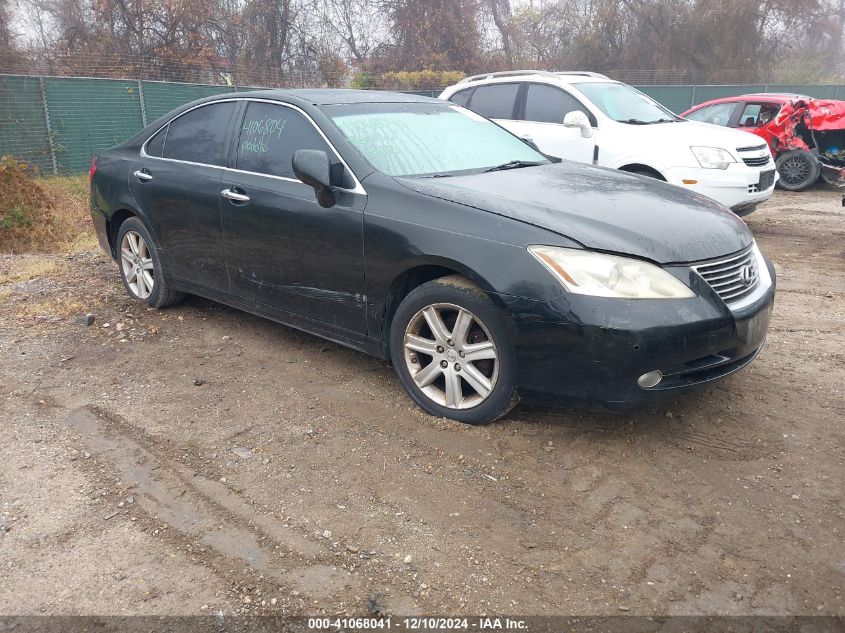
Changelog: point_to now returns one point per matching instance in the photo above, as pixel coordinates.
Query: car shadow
(572, 418)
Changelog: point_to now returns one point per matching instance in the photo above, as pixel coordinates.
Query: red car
(806, 135)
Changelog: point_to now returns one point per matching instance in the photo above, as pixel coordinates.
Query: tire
(139, 263)
(798, 170)
(475, 391)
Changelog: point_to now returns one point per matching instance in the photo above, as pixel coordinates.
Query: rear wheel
(451, 349)
(141, 267)
(798, 170)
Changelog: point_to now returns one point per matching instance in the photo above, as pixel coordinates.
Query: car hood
(695, 133)
(601, 209)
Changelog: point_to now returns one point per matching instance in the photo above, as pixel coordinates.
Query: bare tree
(322, 41)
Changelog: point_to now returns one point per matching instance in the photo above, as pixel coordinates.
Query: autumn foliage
(328, 42)
(41, 215)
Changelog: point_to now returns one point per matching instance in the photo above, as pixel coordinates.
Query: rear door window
(155, 146)
(548, 104)
(269, 136)
(495, 101)
(199, 136)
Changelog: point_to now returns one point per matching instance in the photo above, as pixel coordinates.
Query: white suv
(590, 118)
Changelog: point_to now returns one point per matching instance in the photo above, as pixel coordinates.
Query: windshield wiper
(514, 164)
(641, 122)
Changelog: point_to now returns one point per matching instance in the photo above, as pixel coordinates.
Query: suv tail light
(92, 170)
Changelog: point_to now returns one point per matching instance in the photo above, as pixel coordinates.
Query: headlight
(712, 157)
(600, 275)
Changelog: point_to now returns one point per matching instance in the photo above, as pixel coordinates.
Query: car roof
(785, 96)
(782, 97)
(332, 96)
(556, 77)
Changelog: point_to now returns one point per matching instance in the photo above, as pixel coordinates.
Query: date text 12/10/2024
(418, 623)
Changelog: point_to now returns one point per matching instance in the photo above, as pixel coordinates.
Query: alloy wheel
(137, 264)
(451, 356)
(795, 170)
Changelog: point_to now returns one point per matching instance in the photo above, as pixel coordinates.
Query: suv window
(495, 101)
(718, 114)
(462, 97)
(269, 136)
(199, 136)
(548, 104)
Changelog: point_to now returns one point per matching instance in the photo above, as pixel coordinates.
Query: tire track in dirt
(207, 515)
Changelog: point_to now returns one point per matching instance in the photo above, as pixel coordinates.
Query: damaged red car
(806, 135)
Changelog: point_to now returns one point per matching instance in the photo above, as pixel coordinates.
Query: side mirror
(578, 119)
(312, 167)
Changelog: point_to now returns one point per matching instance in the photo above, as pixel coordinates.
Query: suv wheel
(451, 349)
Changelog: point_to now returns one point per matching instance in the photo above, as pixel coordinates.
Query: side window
(718, 114)
(757, 114)
(155, 146)
(749, 115)
(462, 97)
(199, 136)
(495, 101)
(548, 104)
(269, 136)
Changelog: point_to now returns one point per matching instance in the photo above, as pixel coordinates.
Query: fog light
(651, 379)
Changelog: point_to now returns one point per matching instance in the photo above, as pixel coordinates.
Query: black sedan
(416, 230)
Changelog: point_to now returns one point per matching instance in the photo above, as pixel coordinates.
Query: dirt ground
(199, 459)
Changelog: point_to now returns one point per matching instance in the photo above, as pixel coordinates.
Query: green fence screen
(23, 124)
(58, 123)
(88, 115)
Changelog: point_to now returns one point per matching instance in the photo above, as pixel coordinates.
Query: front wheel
(798, 170)
(451, 349)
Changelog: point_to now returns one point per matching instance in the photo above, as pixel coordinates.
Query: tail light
(92, 170)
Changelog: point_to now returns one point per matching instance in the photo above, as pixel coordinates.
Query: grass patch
(48, 308)
(43, 214)
(29, 269)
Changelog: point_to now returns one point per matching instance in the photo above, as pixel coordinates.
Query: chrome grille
(756, 162)
(728, 276)
(753, 148)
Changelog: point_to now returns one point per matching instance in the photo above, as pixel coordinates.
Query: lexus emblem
(746, 274)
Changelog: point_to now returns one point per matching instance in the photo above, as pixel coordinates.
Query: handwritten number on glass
(256, 135)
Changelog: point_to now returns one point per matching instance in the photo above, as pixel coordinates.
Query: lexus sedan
(418, 231)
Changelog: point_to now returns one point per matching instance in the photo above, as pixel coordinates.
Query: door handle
(234, 196)
(142, 175)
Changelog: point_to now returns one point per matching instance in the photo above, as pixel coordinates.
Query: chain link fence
(56, 124)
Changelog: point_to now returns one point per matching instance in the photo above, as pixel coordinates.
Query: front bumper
(592, 350)
(736, 187)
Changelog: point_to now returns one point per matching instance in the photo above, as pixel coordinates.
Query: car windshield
(430, 139)
(626, 104)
